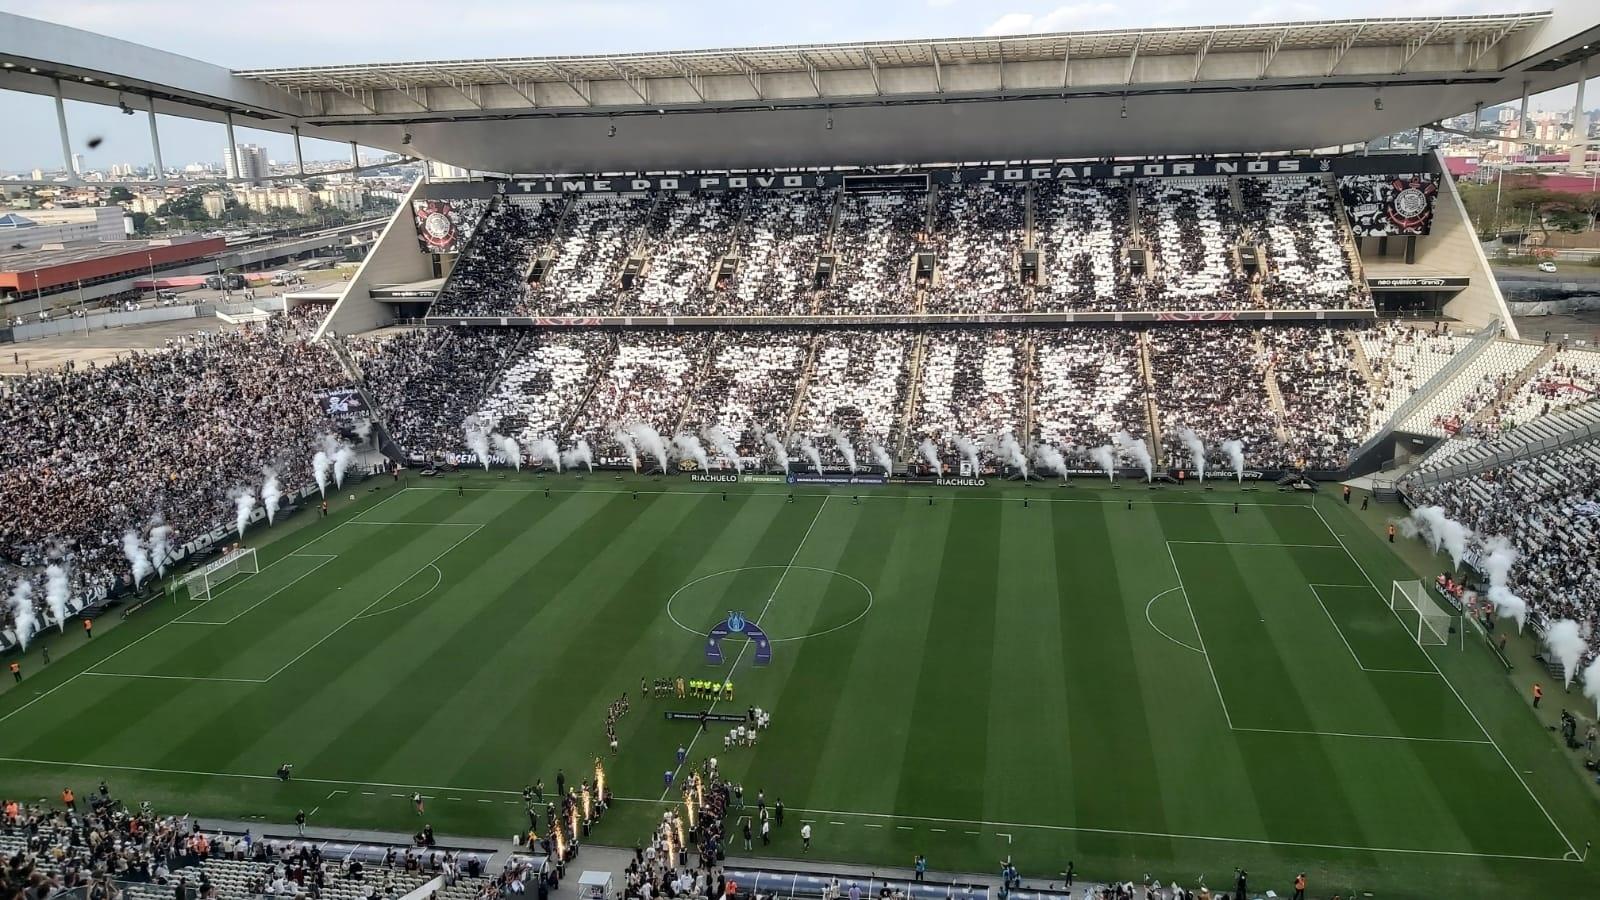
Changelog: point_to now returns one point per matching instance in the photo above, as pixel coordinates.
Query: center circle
(826, 600)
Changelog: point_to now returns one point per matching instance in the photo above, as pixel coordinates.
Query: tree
(140, 221)
(120, 194)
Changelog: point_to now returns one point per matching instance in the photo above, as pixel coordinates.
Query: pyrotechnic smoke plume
(1591, 683)
(882, 458)
(809, 451)
(842, 441)
(243, 502)
(1439, 530)
(968, 450)
(513, 453)
(1197, 451)
(1234, 451)
(56, 588)
(649, 440)
(780, 453)
(477, 434)
(271, 492)
(24, 620)
(160, 538)
(930, 454)
(718, 438)
(1136, 448)
(137, 556)
(1048, 458)
(1565, 640)
(687, 446)
(1104, 456)
(579, 454)
(625, 441)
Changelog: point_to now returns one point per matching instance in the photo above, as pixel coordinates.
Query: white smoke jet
(1498, 558)
(687, 446)
(1138, 449)
(243, 502)
(930, 454)
(1197, 451)
(321, 466)
(363, 428)
(509, 448)
(1234, 451)
(968, 451)
(882, 458)
(1439, 530)
(809, 451)
(1591, 683)
(625, 441)
(717, 437)
(1048, 459)
(650, 441)
(1565, 640)
(271, 492)
(1106, 459)
(24, 620)
(579, 454)
(343, 458)
(160, 537)
(477, 434)
(545, 450)
(1008, 449)
(137, 556)
(56, 588)
(842, 441)
(780, 453)
(1509, 605)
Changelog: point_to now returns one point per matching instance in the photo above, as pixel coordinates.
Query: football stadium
(1045, 466)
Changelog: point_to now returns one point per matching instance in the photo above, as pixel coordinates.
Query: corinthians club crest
(737, 624)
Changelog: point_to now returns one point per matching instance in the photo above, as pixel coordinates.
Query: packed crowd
(873, 247)
(90, 452)
(1298, 224)
(647, 382)
(426, 381)
(783, 234)
(1087, 386)
(1548, 506)
(970, 385)
(750, 386)
(543, 383)
(690, 236)
(491, 277)
(1192, 230)
(978, 236)
(1214, 379)
(1325, 396)
(856, 386)
(1569, 378)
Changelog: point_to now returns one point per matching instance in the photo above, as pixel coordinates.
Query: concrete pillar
(233, 147)
(355, 157)
(1580, 151)
(66, 139)
(155, 143)
(299, 156)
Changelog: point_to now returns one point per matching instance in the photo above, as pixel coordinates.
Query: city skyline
(234, 38)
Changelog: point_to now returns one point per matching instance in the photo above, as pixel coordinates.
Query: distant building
(38, 227)
(348, 198)
(266, 199)
(441, 170)
(215, 204)
(251, 165)
(77, 163)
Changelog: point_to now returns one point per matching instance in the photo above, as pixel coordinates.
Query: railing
(1480, 342)
(1579, 434)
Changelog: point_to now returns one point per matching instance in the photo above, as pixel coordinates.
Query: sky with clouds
(311, 32)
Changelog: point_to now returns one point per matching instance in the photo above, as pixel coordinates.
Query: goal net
(1434, 623)
(203, 581)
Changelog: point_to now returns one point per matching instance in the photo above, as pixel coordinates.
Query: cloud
(1061, 18)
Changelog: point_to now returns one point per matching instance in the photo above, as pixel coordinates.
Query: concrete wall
(394, 259)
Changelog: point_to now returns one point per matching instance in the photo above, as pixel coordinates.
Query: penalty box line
(1571, 850)
(476, 527)
(1223, 701)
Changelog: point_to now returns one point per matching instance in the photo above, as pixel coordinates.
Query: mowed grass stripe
(841, 729)
(1029, 774)
(948, 755)
(1112, 741)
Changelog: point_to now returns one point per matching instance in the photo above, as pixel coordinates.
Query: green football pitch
(1142, 682)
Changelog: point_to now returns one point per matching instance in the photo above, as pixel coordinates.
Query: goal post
(203, 582)
(1434, 623)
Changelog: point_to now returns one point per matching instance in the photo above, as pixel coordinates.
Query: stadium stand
(490, 279)
(1089, 385)
(1569, 377)
(1298, 224)
(690, 236)
(1192, 230)
(647, 382)
(969, 384)
(91, 452)
(427, 381)
(978, 236)
(783, 234)
(873, 242)
(1217, 375)
(1082, 230)
(543, 383)
(1546, 506)
(749, 388)
(857, 384)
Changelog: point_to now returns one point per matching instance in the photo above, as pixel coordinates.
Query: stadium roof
(1154, 91)
(567, 79)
